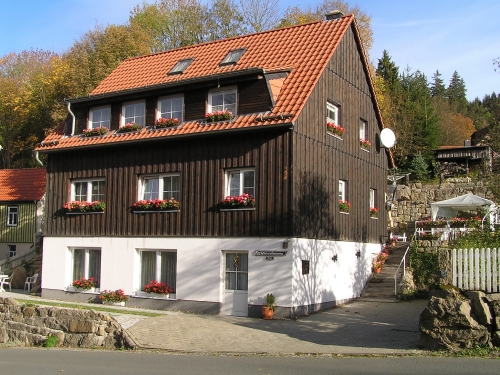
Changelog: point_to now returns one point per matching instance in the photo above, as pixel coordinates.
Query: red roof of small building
(303, 51)
(22, 184)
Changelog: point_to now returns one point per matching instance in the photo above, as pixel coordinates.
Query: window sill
(84, 213)
(345, 213)
(364, 149)
(153, 211)
(374, 217)
(72, 289)
(140, 294)
(334, 135)
(238, 209)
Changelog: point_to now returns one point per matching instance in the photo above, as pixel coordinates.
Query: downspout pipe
(72, 115)
(38, 159)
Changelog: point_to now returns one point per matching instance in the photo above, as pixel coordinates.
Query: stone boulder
(19, 277)
(480, 307)
(448, 322)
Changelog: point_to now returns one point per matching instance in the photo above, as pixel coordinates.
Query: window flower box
(364, 144)
(163, 123)
(429, 223)
(244, 201)
(115, 298)
(374, 212)
(155, 289)
(127, 128)
(151, 205)
(344, 206)
(84, 284)
(79, 207)
(95, 132)
(218, 116)
(335, 129)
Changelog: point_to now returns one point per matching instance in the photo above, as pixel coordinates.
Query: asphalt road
(40, 361)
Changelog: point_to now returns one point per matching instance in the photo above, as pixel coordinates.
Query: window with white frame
(332, 113)
(171, 107)
(163, 186)
(12, 250)
(99, 117)
(134, 113)
(12, 216)
(223, 99)
(240, 181)
(362, 130)
(87, 190)
(343, 190)
(159, 265)
(373, 195)
(87, 264)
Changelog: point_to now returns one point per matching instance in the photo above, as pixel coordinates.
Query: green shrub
(425, 269)
(50, 341)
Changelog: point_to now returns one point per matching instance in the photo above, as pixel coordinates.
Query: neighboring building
(283, 86)
(21, 207)
(460, 160)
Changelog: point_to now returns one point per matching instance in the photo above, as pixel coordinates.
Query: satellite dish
(387, 138)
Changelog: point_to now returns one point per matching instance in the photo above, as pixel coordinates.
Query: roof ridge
(232, 38)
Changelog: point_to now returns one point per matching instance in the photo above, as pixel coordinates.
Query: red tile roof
(22, 184)
(303, 51)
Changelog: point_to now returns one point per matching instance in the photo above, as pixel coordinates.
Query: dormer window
(181, 66)
(134, 113)
(99, 117)
(232, 57)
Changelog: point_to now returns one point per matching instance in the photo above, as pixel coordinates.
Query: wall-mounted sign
(268, 253)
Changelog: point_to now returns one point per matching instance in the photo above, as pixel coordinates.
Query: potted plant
(84, 284)
(127, 128)
(79, 206)
(377, 266)
(373, 212)
(218, 116)
(115, 298)
(166, 123)
(268, 307)
(95, 131)
(335, 129)
(238, 201)
(344, 206)
(156, 287)
(364, 144)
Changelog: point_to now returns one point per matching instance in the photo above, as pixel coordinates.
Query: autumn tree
(295, 16)
(455, 129)
(259, 15)
(98, 52)
(30, 83)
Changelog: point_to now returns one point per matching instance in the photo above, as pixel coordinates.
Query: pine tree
(387, 70)
(438, 90)
(456, 93)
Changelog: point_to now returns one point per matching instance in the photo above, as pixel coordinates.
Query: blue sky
(422, 34)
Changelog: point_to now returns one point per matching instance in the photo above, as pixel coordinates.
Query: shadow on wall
(337, 271)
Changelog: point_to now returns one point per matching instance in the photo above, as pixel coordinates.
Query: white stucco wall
(200, 265)
(330, 280)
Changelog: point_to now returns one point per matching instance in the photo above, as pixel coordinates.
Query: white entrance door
(236, 284)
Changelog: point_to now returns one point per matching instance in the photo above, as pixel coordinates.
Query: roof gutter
(167, 84)
(135, 141)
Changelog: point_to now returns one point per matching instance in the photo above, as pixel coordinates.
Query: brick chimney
(333, 15)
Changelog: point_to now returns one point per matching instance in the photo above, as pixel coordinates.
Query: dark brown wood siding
(253, 97)
(320, 159)
(201, 163)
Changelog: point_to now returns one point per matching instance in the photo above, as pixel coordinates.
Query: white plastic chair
(30, 281)
(6, 281)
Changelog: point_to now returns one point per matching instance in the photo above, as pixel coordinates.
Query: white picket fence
(476, 269)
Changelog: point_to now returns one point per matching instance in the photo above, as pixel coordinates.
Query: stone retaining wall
(414, 200)
(31, 325)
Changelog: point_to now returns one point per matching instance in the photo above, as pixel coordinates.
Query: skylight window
(233, 56)
(181, 66)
